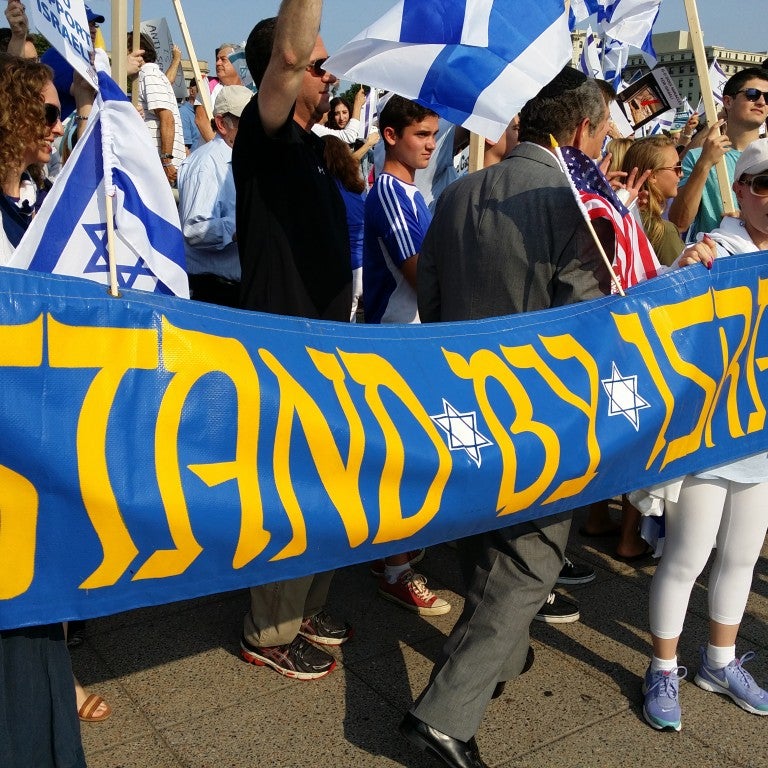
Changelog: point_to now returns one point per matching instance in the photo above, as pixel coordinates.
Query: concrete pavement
(182, 697)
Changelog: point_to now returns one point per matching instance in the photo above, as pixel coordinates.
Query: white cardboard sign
(64, 24)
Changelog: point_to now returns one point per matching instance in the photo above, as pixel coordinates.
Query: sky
(739, 24)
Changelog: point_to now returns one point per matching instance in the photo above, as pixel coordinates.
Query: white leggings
(732, 515)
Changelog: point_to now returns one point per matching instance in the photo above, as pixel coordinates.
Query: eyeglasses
(317, 66)
(753, 94)
(758, 185)
(678, 169)
(52, 115)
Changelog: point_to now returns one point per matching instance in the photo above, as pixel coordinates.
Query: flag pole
(113, 289)
(202, 90)
(119, 31)
(476, 152)
(700, 56)
(136, 44)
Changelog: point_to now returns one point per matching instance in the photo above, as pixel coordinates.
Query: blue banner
(156, 449)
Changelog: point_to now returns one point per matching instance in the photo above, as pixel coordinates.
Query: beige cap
(232, 100)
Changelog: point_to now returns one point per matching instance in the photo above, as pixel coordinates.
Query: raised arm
(685, 206)
(298, 24)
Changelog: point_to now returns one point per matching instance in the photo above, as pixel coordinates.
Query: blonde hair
(618, 149)
(646, 154)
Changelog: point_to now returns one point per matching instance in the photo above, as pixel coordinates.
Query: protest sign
(64, 24)
(158, 32)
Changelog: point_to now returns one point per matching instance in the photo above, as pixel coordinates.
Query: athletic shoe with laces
(733, 681)
(410, 591)
(322, 628)
(573, 573)
(558, 610)
(299, 659)
(661, 704)
(415, 556)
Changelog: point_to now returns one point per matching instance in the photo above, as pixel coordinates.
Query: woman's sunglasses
(52, 115)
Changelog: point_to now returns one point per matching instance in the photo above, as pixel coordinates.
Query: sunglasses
(317, 66)
(753, 94)
(758, 185)
(678, 169)
(52, 115)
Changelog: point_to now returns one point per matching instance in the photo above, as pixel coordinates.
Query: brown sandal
(90, 705)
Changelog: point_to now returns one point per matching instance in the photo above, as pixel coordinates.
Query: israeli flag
(717, 79)
(115, 156)
(631, 22)
(474, 62)
(615, 57)
(589, 61)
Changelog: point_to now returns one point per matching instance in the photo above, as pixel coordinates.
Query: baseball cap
(754, 159)
(93, 16)
(232, 100)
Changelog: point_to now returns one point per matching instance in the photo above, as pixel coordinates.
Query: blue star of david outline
(461, 429)
(623, 398)
(99, 263)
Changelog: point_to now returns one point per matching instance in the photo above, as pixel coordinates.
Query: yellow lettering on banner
(565, 347)
(374, 373)
(113, 351)
(18, 533)
(757, 417)
(190, 355)
(666, 320)
(482, 366)
(730, 302)
(340, 478)
(631, 329)
(20, 346)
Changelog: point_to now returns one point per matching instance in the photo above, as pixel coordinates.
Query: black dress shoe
(452, 752)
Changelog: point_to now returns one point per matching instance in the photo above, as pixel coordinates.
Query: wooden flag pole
(113, 289)
(476, 152)
(136, 44)
(700, 56)
(202, 88)
(119, 33)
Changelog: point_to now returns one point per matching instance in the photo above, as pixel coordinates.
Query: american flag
(634, 259)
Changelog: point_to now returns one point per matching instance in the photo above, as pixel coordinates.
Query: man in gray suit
(507, 239)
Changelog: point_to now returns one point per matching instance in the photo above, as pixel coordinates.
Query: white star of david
(623, 397)
(461, 429)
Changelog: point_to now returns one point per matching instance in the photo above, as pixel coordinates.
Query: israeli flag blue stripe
(436, 21)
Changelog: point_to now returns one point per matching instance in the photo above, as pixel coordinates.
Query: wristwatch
(166, 156)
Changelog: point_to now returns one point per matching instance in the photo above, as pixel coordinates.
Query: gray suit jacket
(508, 239)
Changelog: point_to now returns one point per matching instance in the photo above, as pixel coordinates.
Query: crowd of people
(287, 205)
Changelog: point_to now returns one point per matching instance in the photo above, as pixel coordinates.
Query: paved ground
(183, 698)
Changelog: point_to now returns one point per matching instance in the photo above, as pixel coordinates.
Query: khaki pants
(277, 609)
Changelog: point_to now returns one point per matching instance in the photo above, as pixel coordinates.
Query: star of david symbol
(461, 429)
(623, 397)
(99, 263)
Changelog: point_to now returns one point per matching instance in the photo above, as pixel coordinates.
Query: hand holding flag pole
(598, 244)
(700, 56)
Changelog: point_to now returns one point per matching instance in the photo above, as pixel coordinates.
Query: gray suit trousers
(509, 574)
